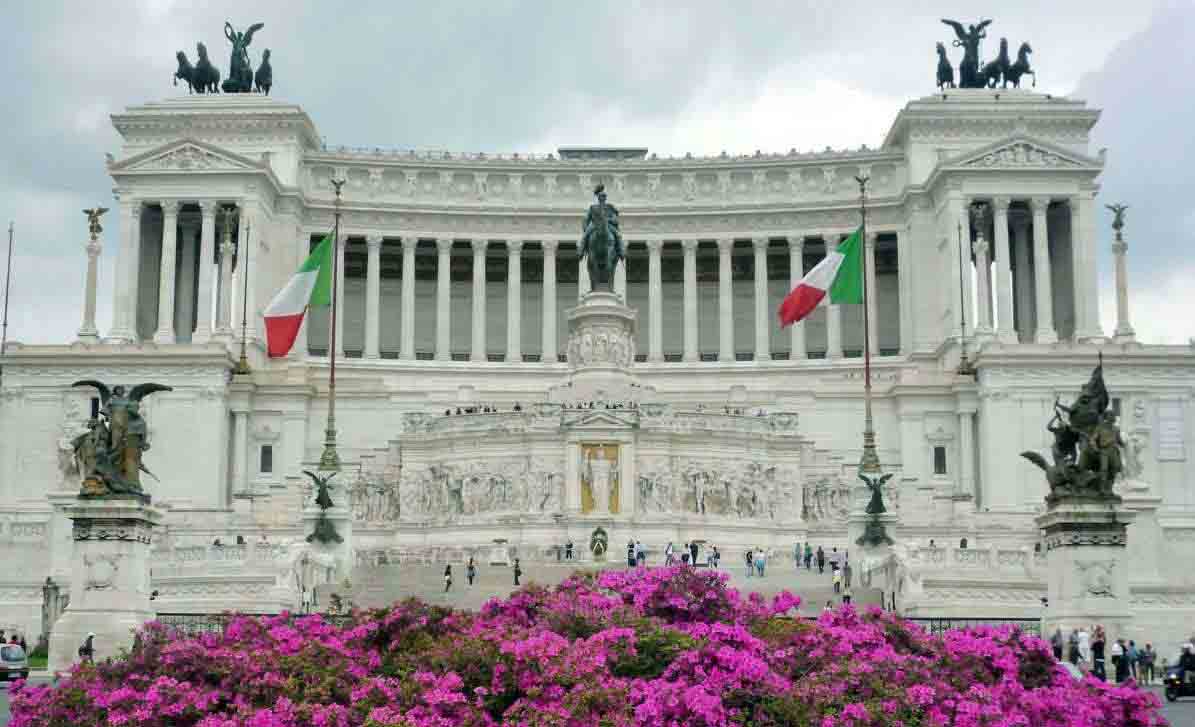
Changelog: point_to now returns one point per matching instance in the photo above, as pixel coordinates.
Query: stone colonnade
(1023, 288)
(762, 320)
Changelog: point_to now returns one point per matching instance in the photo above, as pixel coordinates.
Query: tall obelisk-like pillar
(1124, 330)
(88, 333)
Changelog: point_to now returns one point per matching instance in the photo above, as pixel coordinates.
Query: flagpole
(7, 288)
(330, 460)
(869, 463)
(242, 367)
(964, 366)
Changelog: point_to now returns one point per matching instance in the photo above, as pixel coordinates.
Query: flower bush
(661, 647)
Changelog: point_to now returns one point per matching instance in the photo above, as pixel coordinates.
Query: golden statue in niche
(599, 478)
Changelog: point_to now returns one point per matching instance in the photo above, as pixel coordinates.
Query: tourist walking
(797, 551)
(640, 554)
(1084, 648)
(1056, 643)
(471, 571)
(1072, 653)
(630, 553)
(821, 560)
(808, 556)
(693, 553)
(518, 571)
(846, 574)
(750, 562)
(837, 579)
(447, 578)
(1116, 655)
(568, 549)
(1148, 658)
(668, 554)
(1131, 656)
(761, 560)
(1098, 666)
(87, 648)
(846, 594)
(715, 556)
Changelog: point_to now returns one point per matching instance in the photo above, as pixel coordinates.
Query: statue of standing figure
(240, 72)
(598, 469)
(969, 38)
(601, 241)
(109, 453)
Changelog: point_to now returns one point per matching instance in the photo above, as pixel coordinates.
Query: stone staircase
(382, 585)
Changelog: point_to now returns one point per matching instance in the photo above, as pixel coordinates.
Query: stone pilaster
(548, 354)
(1005, 333)
(1041, 266)
(833, 313)
(124, 313)
(207, 262)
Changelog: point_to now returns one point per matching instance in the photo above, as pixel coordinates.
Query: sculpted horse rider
(601, 241)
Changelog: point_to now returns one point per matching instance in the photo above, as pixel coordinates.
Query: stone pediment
(603, 419)
(186, 155)
(1022, 152)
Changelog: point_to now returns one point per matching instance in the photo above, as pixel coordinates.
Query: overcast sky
(531, 76)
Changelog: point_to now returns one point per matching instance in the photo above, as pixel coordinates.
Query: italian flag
(840, 273)
(310, 286)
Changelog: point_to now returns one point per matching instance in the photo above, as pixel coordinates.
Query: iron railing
(940, 625)
(194, 624)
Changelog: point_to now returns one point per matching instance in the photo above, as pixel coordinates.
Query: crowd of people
(1119, 660)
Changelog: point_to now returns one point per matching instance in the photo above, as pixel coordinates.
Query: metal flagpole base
(242, 367)
(329, 461)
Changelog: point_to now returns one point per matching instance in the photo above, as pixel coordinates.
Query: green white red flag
(310, 286)
(839, 275)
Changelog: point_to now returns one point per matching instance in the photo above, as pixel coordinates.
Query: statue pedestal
(341, 553)
(1087, 565)
(857, 524)
(110, 585)
(601, 350)
(500, 553)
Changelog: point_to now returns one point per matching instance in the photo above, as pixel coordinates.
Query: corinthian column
(655, 291)
(1005, 333)
(207, 257)
(124, 309)
(725, 300)
(373, 296)
(514, 300)
(983, 271)
(479, 247)
(165, 332)
(760, 244)
(548, 354)
(88, 333)
(409, 243)
(796, 271)
(443, 302)
(690, 303)
(833, 313)
(873, 308)
(1041, 268)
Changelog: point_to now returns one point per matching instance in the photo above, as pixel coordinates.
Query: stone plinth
(110, 585)
(339, 553)
(601, 351)
(1087, 569)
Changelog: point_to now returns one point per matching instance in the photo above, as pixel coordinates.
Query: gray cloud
(512, 76)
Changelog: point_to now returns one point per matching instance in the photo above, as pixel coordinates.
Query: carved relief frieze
(447, 492)
(726, 488)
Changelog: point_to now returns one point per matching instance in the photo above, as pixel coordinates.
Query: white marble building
(459, 270)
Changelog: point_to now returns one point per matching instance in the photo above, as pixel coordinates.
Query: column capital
(171, 207)
(980, 246)
(549, 246)
(479, 245)
(514, 247)
(1000, 204)
(870, 238)
(208, 207)
(654, 246)
(725, 244)
(796, 242)
(688, 245)
(1039, 204)
(1119, 247)
(760, 243)
(95, 247)
(444, 244)
(373, 242)
(409, 243)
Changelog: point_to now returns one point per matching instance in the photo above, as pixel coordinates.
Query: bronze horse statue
(997, 70)
(600, 245)
(1020, 68)
(203, 77)
(945, 70)
(264, 78)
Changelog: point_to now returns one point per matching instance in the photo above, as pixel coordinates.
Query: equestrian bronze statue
(601, 241)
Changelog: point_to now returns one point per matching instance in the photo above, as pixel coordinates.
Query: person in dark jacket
(1099, 668)
(447, 578)
(87, 649)
(693, 553)
(518, 571)
(821, 560)
(471, 571)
